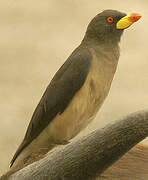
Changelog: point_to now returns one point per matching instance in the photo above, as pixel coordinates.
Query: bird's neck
(110, 50)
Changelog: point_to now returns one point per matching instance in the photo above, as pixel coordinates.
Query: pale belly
(81, 110)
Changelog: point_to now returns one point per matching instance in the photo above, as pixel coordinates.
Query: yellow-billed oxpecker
(78, 89)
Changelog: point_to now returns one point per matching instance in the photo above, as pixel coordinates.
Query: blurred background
(37, 36)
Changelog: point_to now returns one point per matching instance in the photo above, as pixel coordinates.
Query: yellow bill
(128, 20)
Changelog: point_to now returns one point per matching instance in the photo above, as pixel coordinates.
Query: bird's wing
(66, 82)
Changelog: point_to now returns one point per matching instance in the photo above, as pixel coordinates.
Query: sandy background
(37, 36)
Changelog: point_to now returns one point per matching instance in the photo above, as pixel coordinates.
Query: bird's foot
(63, 142)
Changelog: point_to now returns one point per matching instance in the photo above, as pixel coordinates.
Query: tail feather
(19, 150)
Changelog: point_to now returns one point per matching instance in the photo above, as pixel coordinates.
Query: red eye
(110, 20)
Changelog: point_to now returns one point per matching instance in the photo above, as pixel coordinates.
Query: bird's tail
(26, 161)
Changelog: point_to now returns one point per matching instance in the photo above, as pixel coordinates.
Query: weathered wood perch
(89, 156)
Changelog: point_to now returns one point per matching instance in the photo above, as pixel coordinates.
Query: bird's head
(108, 26)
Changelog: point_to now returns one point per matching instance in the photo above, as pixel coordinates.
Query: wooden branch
(88, 157)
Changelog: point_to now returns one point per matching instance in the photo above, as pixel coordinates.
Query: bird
(79, 88)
